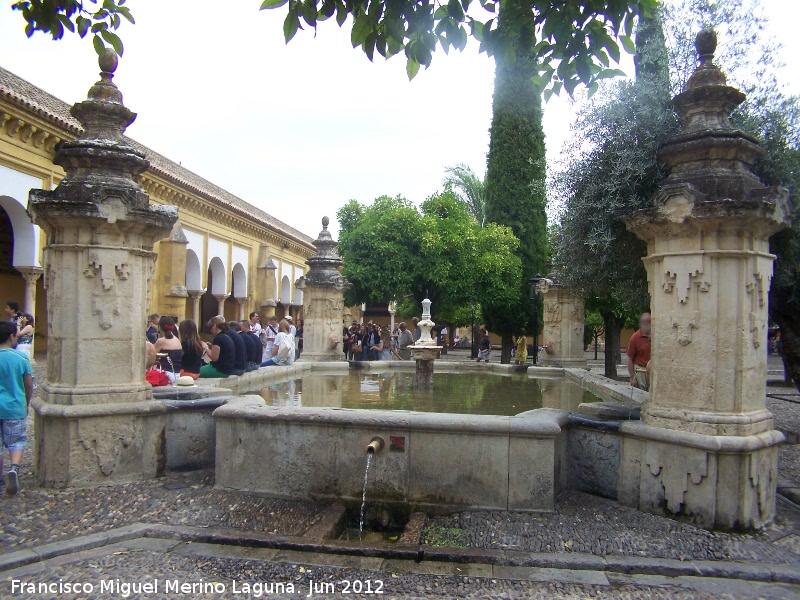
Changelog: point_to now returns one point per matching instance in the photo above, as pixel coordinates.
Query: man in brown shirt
(639, 353)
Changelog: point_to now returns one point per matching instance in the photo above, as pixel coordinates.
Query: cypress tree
(515, 177)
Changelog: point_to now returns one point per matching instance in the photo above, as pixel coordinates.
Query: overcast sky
(296, 129)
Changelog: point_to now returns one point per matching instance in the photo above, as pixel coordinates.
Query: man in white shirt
(268, 339)
(292, 328)
(255, 324)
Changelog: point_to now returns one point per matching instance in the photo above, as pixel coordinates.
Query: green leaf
(593, 87)
(628, 44)
(290, 25)
(341, 15)
(113, 39)
(610, 73)
(267, 4)
(362, 26)
(310, 12)
(412, 68)
(98, 44)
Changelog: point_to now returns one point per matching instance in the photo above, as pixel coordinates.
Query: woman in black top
(192, 348)
(221, 351)
(170, 345)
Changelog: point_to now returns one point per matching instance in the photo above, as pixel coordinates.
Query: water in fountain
(370, 453)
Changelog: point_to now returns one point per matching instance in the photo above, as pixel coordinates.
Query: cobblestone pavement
(144, 566)
(585, 523)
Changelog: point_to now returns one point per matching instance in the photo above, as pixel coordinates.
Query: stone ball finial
(325, 222)
(108, 61)
(706, 44)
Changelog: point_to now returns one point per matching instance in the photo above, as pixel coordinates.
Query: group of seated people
(234, 349)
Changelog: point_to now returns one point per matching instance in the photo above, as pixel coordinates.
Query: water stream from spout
(370, 452)
(172, 368)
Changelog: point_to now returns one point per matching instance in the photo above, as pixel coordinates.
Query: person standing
(25, 335)
(639, 353)
(522, 350)
(270, 332)
(298, 339)
(12, 312)
(292, 328)
(417, 330)
(255, 324)
(16, 390)
(404, 340)
(485, 352)
(152, 328)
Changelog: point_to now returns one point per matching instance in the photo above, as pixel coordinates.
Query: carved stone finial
(106, 90)
(706, 44)
(108, 61)
(325, 222)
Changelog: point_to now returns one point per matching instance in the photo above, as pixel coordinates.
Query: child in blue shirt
(16, 389)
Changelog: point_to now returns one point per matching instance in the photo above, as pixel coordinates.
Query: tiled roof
(47, 106)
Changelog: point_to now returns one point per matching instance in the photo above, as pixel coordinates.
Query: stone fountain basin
(431, 462)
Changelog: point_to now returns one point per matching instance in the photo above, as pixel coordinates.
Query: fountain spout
(376, 444)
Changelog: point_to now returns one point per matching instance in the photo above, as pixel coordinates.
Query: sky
(298, 129)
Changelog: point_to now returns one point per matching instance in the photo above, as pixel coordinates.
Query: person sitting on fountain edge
(240, 348)
(253, 345)
(170, 345)
(283, 350)
(222, 352)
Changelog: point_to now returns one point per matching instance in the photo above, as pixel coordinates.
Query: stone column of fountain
(92, 421)
(706, 446)
(563, 324)
(323, 288)
(425, 350)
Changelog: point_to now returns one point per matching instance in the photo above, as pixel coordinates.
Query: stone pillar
(170, 276)
(392, 312)
(323, 287)
(93, 418)
(196, 295)
(563, 325)
(31, 275)
(221, 303)
(266, 285)
(240, 302)
(706, 446)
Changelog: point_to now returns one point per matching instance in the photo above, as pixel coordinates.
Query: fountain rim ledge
(540, 422)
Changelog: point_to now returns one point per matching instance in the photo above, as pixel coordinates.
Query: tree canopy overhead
(573, 41)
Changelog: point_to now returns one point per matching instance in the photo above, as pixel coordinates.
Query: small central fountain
(425, 350)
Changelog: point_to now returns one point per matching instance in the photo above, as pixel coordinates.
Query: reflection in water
(466, 393)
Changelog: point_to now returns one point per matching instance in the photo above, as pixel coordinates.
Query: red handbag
(156, 376)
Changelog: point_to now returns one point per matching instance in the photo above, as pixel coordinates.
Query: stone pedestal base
(424, 356)
(718, 482)
(98, 444)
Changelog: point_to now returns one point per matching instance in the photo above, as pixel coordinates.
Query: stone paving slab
(145, 559)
